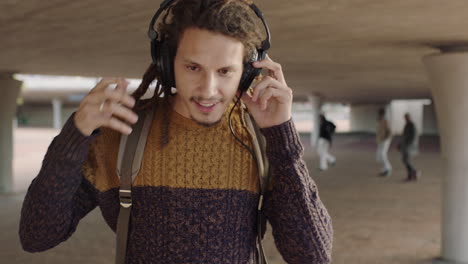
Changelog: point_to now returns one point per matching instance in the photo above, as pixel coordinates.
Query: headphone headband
(153, 34)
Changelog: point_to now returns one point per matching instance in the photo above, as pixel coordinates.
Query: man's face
(208, 67)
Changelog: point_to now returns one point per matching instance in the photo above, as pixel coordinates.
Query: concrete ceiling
(345, 50)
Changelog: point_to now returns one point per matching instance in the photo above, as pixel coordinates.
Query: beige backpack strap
(131, 150)
(259, 145)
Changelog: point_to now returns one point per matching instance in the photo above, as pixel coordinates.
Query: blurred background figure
(407, 147)
(384, 139)
(327, 129)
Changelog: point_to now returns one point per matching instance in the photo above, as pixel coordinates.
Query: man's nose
(209, 86)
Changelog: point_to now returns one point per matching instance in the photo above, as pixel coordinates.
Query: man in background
(407, 147)
(384, 139)
(327, 129)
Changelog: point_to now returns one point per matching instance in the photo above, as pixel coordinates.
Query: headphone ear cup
(248, 75)
(163, 59)
(250, 72)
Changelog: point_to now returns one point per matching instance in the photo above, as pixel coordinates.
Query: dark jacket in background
(327, 129)
(408, 137)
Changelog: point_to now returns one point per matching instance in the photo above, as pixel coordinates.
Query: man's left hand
(271, 101)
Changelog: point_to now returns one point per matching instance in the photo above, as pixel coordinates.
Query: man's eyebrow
(190, 61)
(231, 66)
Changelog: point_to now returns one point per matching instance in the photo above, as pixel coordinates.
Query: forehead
(210, 48)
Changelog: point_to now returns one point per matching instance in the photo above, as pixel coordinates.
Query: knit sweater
(194, 200)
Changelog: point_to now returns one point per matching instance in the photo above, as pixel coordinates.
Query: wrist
(273, 122)
(283, 140)
(83, 129)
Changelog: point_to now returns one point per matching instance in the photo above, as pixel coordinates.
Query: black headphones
(163, 57)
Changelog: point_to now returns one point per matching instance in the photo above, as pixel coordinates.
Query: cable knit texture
(194, 201)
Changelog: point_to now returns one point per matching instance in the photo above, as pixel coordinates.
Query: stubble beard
(207, 124)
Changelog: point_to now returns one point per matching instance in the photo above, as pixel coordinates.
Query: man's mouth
(205, 107)
(206, 104)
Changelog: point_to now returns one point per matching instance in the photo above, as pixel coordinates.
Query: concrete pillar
(316, 103)
(449, 82)
(10, 90)
(57, 113)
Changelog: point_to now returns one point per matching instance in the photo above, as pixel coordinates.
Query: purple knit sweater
(218, 226)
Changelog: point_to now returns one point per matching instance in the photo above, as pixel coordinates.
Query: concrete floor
(376, 220)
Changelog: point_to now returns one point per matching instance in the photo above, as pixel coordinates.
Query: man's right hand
(104, 107)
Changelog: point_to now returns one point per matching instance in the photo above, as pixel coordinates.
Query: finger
(265, 97)
(115, 109)
(281, 96)
(247, 99)
(103, 84)
(120, 96)
(263, 84)
(122, 85)
(260, 86)
(274, 68)
(121, 88)
(117, 125)
(114, 96)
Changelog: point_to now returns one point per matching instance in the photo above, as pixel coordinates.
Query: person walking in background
(407, 147)
(327, 129)
(384, 139)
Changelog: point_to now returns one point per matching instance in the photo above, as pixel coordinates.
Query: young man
(195, 197)
(327, 129)
(384, 139)
(407, 147)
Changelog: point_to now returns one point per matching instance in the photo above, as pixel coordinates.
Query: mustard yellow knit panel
(196, 157)
(101, 166)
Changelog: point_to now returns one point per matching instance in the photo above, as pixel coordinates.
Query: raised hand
(104, 107)
(271, 101)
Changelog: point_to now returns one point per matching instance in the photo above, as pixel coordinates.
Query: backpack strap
(129, 160)
(259, 145)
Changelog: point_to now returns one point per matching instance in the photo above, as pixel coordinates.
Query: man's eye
(224, 71)
(192, 68)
